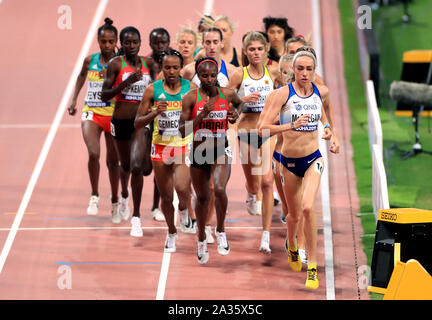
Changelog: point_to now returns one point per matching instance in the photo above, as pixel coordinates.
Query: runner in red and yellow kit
(96, 117)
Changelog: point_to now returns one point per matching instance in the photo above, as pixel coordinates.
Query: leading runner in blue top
(300, 108)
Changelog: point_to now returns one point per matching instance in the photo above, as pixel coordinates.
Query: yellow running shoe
(312, 277)
(294, 259)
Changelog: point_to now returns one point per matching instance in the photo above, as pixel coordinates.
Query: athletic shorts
(275, 160)
(204, 159)
(122, 129)
(166, 153)
(252, 138)
(102, 121)
(299, 166)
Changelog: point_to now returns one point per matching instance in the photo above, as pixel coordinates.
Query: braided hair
(171, 52)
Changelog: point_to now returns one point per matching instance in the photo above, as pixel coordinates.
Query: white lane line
(208, 7)
(325, 188)
(160, 294)
(52, 132)
(37, 125)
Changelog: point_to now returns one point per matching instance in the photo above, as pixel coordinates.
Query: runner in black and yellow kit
(96, 117)
(127, 77)
(162, 105)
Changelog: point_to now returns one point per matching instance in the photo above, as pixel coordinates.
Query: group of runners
(170, 113)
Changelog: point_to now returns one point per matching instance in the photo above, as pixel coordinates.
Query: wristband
(292, 126)
(327, 125)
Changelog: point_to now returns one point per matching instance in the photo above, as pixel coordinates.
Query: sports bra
(264, 86)
(133, 92)
(215, 124)
(297, 106)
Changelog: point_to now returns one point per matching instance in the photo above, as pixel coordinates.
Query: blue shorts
(276, 156)
(299, 166)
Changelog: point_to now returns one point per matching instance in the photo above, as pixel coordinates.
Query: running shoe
(170, 243)
(283, 218)
(185, 221)
(312, 282)
(136, 230)
(253, 207)
(93, 206)
(265, 242)
(209, 235)
(222, 241)
(294, 259)
(202, 252)
(303, 257)
(158, 215)
(115, 213)
(276, 198)
(124, 207)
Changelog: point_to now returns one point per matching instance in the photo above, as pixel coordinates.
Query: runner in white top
(254, 83)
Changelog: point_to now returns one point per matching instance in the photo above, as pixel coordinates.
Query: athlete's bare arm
(144, 114)
(79, 84)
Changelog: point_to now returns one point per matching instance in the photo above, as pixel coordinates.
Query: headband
(302, 54)
(206, 60)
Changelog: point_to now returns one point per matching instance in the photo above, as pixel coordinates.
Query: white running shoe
(136, 230)
(251, 204)
(222, 241)
(170, 243)
(283, 218)
(202, 252)
(303, 257)
(115, 213)
(158, 215)
(276, 198)
(209, 235)
(124, 206)
(265, 242)
(93, 206)
(185, 221)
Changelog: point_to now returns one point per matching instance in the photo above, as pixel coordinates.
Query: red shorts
(167, 153)
(103, 121)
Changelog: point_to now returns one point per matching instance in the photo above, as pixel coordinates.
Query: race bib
(87, 115)
(168, 123)
(135, 90)
(94, 95)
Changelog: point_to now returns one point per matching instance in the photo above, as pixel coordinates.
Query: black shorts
(122, 129)
(205, 158)
(252, 138)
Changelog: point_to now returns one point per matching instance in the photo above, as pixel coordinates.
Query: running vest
(93, 100)
(216, 122)
(166, 124)
(222, 77)
(133, 92)
(264, 86)
(297, 106)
